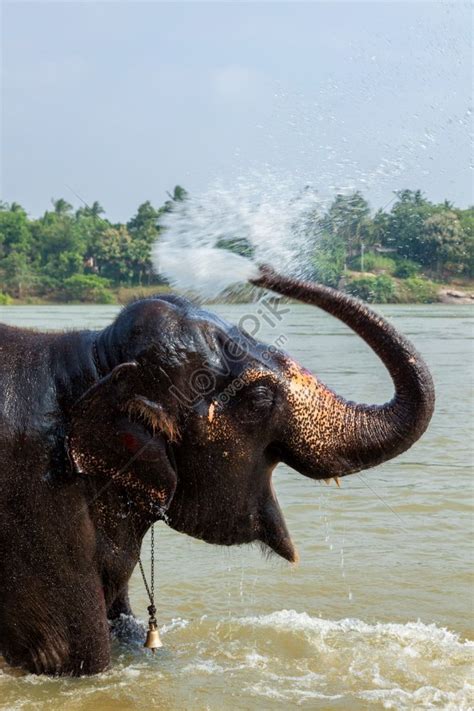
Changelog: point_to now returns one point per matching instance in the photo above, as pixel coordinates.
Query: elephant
(169, 413)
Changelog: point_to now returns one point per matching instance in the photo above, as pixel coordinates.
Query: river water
(378, 613)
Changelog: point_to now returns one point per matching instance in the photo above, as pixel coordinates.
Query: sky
(118, 102)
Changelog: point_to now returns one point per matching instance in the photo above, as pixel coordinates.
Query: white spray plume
(205, 270)
(273, 224)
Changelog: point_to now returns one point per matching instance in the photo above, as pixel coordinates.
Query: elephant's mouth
(215, 519)
(273, 530)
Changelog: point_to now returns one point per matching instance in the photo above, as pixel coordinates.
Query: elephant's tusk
(336, 479)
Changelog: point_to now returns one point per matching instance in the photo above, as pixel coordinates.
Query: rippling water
(377, 614)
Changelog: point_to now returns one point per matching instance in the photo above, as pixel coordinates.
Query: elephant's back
(26, 386)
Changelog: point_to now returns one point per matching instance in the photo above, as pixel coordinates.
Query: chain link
(152, 566)
(150, 589)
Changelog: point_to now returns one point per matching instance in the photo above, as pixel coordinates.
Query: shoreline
(448, 301)
(451, 294)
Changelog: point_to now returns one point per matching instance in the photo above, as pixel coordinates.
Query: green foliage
(5, 299)
(444, 245)
(38, 257)
(437, 237)
(95, 211)
(16, 273)
(78, 253)
(328, 260)
(374, 289)
(373, 262)
(405, 268)
(179, 195)
(61, 207)
(143, 230)
(404, 226)
(466, 219)
(111, 255)
(87, 287)
(417, 290)
(435, 240)
(348, 221)
(14, 231)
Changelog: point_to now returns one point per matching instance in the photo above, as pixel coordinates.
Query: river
(377, 614)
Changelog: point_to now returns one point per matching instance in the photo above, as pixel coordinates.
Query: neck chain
(152, 641)
(150, 589)
(152, 637)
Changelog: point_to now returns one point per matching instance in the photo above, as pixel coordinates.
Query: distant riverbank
(419, 252)
(368, 286)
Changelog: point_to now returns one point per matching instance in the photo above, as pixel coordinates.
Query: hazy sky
(121, 101)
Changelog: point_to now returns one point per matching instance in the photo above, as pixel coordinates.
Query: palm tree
(96, 209)
(61, 206)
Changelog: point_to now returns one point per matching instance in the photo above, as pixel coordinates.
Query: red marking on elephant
(129, 441)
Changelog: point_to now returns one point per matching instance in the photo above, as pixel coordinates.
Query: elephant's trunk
(327, 436)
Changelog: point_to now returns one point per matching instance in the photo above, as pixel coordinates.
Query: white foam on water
(426, 697)
(285, 658)
(299, 659)
(204, 667)
(296, 695)
(176, 623)
(293, 621)
(129, 629)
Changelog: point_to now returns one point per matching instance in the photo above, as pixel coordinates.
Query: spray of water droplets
(368, 129)
(273, 224)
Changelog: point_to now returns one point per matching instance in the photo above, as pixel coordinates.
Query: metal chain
(152, 564)
(150, 589)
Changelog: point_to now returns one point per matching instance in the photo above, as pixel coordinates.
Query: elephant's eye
(259, 398)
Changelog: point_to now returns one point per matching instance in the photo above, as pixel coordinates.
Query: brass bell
(153, 640)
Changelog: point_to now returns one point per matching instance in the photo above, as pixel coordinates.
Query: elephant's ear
(118, 434)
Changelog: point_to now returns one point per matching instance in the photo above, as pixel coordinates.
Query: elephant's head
(195, 414)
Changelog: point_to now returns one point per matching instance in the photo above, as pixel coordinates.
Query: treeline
(404, 253)
(400, 254)
(77, 255)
